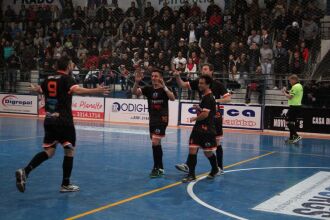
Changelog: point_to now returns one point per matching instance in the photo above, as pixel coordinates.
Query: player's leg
(209, 146)
(291, 123)
(191, 162)
(49, 150)
(219, 155)
(219, 151)
(295, 115)
(68, 140)
(156, 134)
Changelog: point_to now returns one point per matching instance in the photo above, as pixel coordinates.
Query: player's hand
(35, 88)
(192, 119)
(138, 77)
(105, 90)
(197, 107)
(284, 90)
(162, 83)
(176, 73)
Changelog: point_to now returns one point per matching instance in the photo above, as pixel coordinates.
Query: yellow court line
(155, 190)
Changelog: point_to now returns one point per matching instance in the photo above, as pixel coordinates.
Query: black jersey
(58, 99)
(207, 125)
(217, 88)
(158, 105)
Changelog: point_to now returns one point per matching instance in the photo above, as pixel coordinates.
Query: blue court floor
(264, 179)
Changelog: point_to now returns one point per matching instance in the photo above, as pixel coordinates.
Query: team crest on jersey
(157, 131)
(155, 95)
(207, 144)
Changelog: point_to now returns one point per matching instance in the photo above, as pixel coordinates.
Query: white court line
(114, 130)
(190, 187)
(18, 139)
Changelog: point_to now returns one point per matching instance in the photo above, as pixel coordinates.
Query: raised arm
(169, 93)
(82, 91)
(179, 81)
(136, 90)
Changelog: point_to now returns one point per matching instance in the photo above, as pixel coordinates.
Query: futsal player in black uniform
(222, 96)
(58, 123)
(157, 95)
(203, 133)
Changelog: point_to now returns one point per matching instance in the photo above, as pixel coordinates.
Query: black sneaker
(182, 167)
(20, 179)
(213, 174)
(69, 188)
(188, 179)
(156, 173)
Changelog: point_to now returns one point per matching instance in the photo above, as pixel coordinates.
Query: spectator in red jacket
(215, 20)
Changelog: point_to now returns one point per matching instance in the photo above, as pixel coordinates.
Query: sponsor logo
(231, 112)
(309, 198)
(12, 100)
(320, 121)
(246, 113)
(129, 107)
(280, 122)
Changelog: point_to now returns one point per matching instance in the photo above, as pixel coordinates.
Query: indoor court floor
(264, 178)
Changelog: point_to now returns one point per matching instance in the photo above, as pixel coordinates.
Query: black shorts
(218, 126)
(157, 131)
(206, 140)
(293, 113)
(64, 135)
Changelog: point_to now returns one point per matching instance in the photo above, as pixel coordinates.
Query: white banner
(88, 107)
(309, 198)
(234, 116)
(82, 107)
(21, 104)
(16, 5)
(135, 111)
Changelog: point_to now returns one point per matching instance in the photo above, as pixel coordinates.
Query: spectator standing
(309, 31)
(266, 59)
(297, 64)
(280, 65)
(13, 64)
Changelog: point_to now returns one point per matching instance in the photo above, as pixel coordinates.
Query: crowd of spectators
(108, 44)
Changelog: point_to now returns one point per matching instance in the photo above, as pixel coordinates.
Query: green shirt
(297, 94)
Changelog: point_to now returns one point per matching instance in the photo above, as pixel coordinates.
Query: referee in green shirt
(294, 100)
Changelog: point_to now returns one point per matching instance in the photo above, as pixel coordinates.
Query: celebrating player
(58, 124)
(158, 95)
(222, 96)
(203, 134)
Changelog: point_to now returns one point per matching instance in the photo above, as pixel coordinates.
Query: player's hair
(294, 77)
(156, 70)
(63, 63)
(211, 67)
(208, 79)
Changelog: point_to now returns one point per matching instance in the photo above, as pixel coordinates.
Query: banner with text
(16, 5)
(135, 111)
(82, 107)
(21, 104)
(234, 116)
(316, 120)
